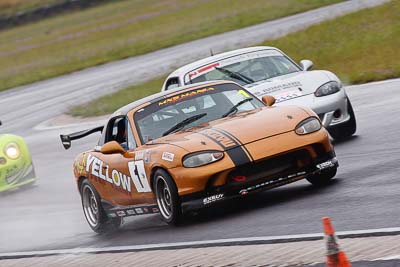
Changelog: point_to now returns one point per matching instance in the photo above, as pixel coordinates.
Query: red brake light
(239, 178)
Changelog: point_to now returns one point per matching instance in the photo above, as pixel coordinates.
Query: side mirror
(112, 147)
(306, 64)
(1, 123)
(268, 100)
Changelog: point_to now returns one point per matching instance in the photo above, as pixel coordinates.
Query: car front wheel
(168, 200)
(94, 212)
(323, 178)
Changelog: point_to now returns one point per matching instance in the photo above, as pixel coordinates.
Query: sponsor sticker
(121, 213)
(147, 156)
(222, 139)
(288, 95)
(139, 155)
(168, 156)
(130, 212)
(182, 96)
(80, 164)
(139, 210)
(245, 191)
(326, 164)
(101, 170)
(244, 93)
(276, 88)
(212, 199)
(119, 180)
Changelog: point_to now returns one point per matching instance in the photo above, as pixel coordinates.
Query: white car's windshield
(244, 68)
(192, 108)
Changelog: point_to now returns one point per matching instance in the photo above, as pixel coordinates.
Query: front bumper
(331, 109)
(234, 190)
(22, 176)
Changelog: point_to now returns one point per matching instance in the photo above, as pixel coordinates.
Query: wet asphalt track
(364, 195)
(48, 216)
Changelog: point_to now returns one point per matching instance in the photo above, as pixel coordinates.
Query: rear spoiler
(67, 138)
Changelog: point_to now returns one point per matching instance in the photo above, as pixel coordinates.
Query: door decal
(139, 177)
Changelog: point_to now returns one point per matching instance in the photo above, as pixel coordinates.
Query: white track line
(206, 243)
(395, 257)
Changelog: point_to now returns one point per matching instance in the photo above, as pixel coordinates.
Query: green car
(16, 168)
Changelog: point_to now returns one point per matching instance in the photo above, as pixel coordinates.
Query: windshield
(160, 117)
(245, 68)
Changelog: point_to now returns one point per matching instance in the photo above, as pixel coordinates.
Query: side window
(131, 138)
(116, 131)
(172, 83)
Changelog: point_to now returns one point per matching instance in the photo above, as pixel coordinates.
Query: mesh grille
(273, 167)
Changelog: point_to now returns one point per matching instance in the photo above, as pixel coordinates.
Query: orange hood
(237, 130)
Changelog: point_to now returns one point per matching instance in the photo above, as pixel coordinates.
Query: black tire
(347, 129)
(323, 178)
(168, 200)
(94, 212)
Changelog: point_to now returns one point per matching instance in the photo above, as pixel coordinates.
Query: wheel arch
(79, 182)
(152, 175)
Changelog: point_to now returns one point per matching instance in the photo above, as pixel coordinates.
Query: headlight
(201, 158)
(12, 151)
(328, 89)
(307, 126)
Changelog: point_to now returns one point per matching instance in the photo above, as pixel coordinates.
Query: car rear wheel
(323, 178)
(168, 200)
(347, 129)
(94, 212)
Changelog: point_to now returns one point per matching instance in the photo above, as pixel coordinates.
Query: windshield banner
(231, 60)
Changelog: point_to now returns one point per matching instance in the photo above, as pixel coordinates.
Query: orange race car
(190, 147)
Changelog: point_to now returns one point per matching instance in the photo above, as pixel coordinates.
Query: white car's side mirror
(306, 64)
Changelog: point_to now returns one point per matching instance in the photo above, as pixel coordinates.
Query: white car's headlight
(201, 158)
(328, 89)
(12, 151)
(307, 126)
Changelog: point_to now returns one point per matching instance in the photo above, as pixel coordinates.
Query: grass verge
(359, 47)
(10, 8)
(117, 30)
(110, 103)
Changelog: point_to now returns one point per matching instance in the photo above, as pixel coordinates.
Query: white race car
(268, 71)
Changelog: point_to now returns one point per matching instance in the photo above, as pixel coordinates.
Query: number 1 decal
(139, 177)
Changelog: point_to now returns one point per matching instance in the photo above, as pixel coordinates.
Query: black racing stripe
(233, 148)
(238, 156)
(237, 140)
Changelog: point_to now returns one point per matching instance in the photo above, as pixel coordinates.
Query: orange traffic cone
(334, 256)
